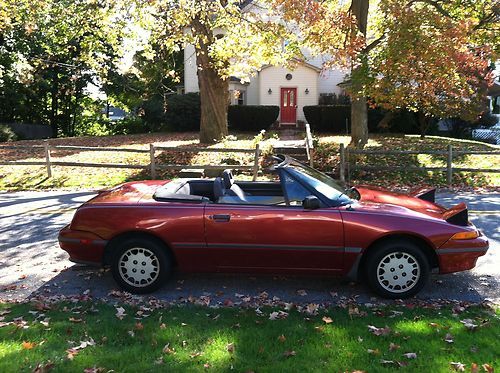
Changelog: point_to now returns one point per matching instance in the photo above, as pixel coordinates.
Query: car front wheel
(140, 265)
(397, 269)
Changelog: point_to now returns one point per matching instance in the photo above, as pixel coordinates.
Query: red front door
(288, 105)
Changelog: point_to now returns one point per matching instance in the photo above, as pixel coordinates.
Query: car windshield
(324, 184)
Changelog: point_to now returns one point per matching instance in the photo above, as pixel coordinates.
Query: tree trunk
(423, 124)
(54, 104)
(385, 123)
(214, 97)
(359, 110)
(359, 122)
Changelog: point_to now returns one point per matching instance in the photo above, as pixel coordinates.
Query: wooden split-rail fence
(153, 166)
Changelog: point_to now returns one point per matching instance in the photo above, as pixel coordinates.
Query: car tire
(140, 265)
(397, 269)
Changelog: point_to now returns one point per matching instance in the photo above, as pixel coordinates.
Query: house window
(241, 98)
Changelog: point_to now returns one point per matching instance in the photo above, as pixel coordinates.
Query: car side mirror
(311, 203)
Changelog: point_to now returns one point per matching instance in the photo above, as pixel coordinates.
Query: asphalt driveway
(31, 262)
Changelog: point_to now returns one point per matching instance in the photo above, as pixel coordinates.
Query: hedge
(251, 118)
(183, 112)
(328, 118)
(332, 119)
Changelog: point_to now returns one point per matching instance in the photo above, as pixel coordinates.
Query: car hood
(382, 200)
(128, 193)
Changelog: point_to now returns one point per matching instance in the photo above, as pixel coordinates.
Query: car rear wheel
(140, 265)
(397, 269)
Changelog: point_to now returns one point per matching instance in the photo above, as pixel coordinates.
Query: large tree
(50, 51)
(227, 43)
(428, 56)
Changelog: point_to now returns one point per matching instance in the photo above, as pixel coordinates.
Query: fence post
(47, 158)
(152, 161)
(256, 161)
(342, 163)
(449, 166)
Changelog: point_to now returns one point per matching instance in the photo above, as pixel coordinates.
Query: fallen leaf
(138, 326)
(459, 367)
(41, 368)
(230, 348)
(474, 368)
(387, 362)
(488, 368)
(73, 320)
(448, 338)
(167, 350)
(379, 331)
(282, 338)
(410, 355)
(469, 324)
(71, 353)
(94, 370)
(85, 344)
(302, 293)
(327, 320)
(289, 353)
(28, 345)
(120, 312)
(393, 347)
(278, 315)
(373, 352)
(312, 308)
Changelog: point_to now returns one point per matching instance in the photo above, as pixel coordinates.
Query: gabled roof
(299, 62)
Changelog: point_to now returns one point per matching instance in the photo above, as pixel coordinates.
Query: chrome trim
(350, 250)
(278, 247)
(353, 250)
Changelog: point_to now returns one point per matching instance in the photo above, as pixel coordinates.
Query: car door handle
(220, 217)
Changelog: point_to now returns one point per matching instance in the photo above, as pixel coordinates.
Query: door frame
(295, 88)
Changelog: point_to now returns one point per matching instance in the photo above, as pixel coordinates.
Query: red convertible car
(302, 223)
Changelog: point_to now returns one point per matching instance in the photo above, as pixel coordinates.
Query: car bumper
(461, 255)
(82, 247)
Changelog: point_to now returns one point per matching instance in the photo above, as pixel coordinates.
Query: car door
(275, 238)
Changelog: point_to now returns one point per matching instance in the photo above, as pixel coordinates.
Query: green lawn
(71, 337)
(327, 159)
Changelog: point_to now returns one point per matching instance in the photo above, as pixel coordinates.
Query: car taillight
(465, 235)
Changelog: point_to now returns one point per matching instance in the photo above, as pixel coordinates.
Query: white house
(291, 90)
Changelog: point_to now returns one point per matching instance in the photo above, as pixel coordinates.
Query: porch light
(307, 91)
(269, 91)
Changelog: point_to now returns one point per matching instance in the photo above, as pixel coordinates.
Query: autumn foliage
(431, 57)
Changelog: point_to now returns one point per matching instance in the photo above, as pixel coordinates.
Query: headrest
(219, 189)
(227, 176)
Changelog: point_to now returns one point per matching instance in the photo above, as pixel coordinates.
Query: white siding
(303, 78)
(190, 70)
(253, 91)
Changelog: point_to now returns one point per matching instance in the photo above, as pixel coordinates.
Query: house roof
(244, 3)
(300, 62)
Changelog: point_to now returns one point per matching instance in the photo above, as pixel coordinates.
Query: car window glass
(295, 191)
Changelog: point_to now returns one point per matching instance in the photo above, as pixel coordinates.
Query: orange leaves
(28, 345)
